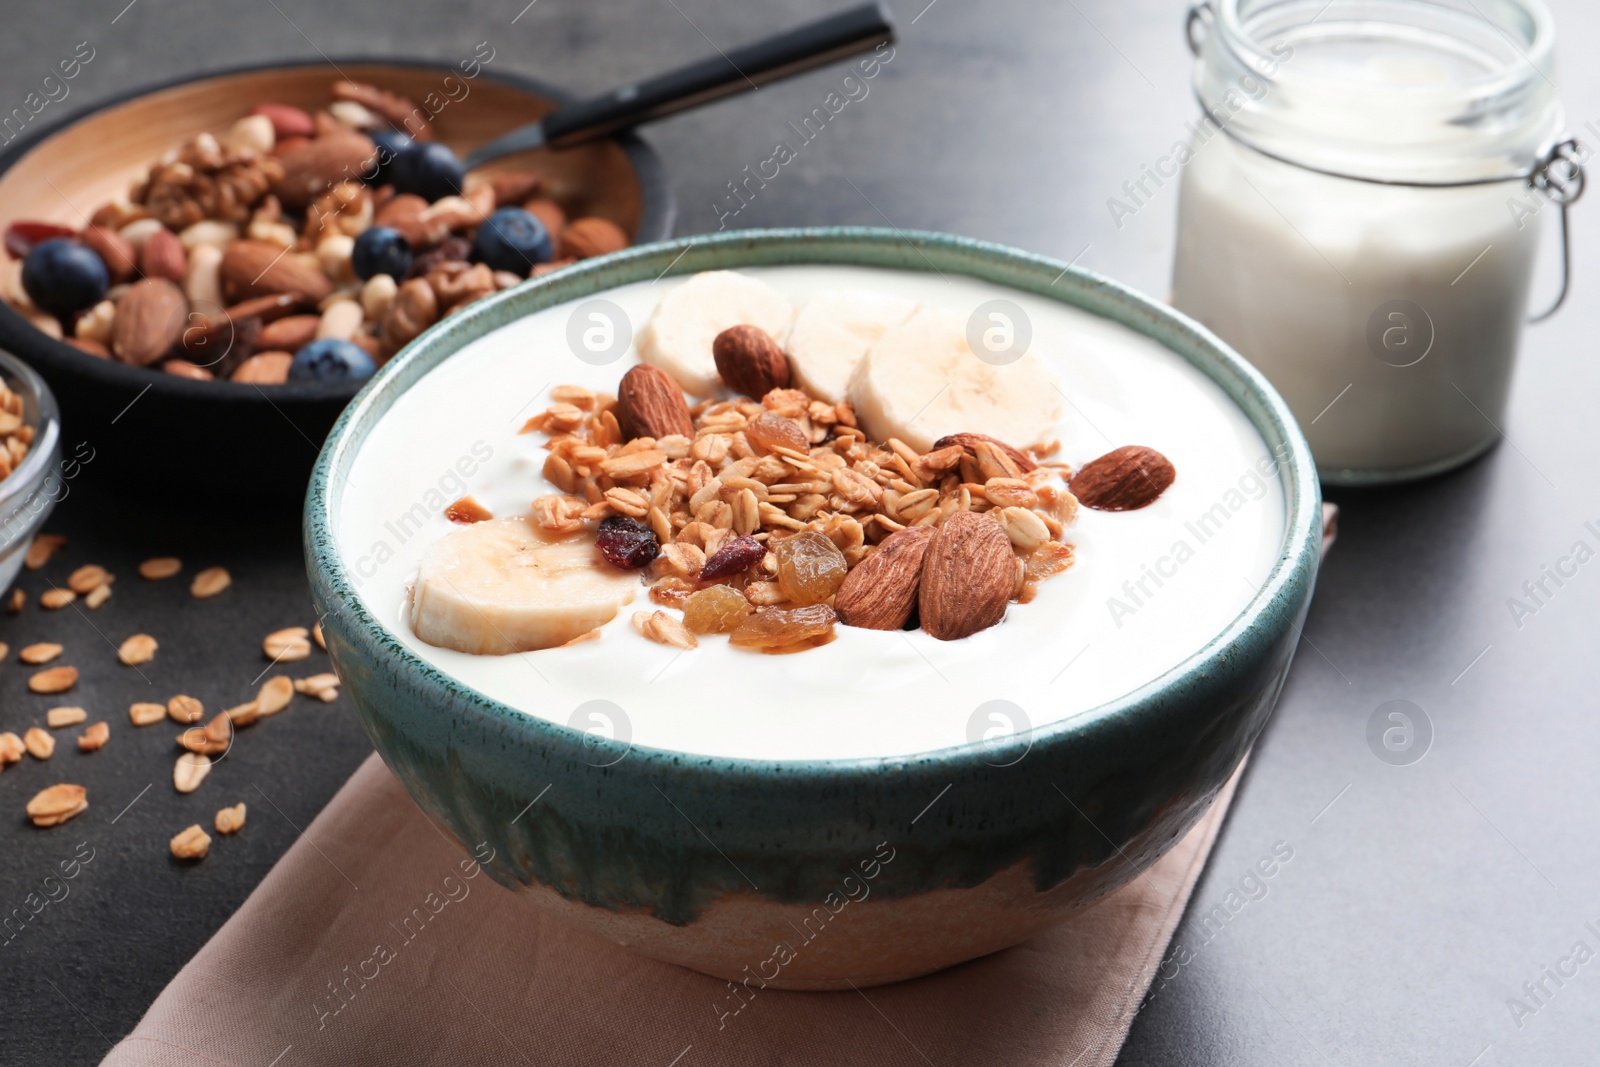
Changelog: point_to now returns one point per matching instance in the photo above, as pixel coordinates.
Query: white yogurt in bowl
(1148, 589)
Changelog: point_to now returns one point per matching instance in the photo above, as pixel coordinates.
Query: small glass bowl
(29, 493)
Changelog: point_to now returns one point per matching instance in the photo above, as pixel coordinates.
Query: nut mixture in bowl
(292, 246)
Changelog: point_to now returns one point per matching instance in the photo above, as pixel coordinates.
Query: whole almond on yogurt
(311, 169)
(150, 318)
(750, 361)
(115, 250)
(1124, 479)
(652, 404)
(257, 268)
(880, 591)
(968, 575)
(163, 256)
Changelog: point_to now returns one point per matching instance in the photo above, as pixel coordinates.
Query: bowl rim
(1277, 605)
(658, 213)
(22, 484)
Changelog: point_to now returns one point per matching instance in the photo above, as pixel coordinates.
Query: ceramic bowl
(30, 492)
(148, 426)
(735, 867)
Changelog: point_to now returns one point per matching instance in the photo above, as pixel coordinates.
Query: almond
(404, 213)
(290, 334)
(163, 256)
(150, 319)
(1125, 479)
(93, 348)
(515, 188)
(970, 441)
(591, 236)
(881, 591)
(258, 269)
(750, 361)
(968, 575)
(182, 368)
(311, 169)
(264, 368)
(286, 121)
(114, 250)
(548, 212)
(652, 404)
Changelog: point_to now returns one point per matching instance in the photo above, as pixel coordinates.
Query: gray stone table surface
(1418, 900)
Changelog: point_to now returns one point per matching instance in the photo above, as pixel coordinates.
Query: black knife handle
(803, 48)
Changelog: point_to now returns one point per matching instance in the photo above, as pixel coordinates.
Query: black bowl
(158, 434)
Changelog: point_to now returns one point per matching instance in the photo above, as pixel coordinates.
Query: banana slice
(921, 381)
(833, 331)
(679, 335)
(499, 586)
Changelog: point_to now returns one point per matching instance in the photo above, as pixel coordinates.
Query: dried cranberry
(732, 558)
(626, 543)
(22, 236)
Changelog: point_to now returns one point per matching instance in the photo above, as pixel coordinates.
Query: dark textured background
(1418, 899)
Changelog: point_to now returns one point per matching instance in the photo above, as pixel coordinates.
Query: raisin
(810, 567)
(626, 543)
(767, 432)
(732, 558)
(779, 630)
(717, 610)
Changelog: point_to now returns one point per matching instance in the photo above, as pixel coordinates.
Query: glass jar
(1359, 213)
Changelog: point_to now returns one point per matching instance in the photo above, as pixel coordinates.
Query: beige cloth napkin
(296, 976)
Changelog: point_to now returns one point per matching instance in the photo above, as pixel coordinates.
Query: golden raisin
(779, 630)
(810, 567)
(718, 609)
(767, 432)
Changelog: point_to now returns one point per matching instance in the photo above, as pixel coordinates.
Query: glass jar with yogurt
(1360, 213)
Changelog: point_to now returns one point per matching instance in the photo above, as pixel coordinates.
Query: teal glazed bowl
(812, 874)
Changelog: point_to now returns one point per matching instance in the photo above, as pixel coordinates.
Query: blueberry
(428, 169)
(381, 250)
(390, 144)
(331, 360)
(63, 277)
(512, 239)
